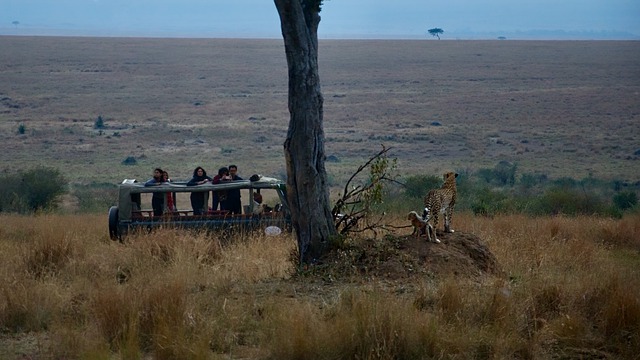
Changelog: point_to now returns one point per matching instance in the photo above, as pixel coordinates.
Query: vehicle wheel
(114, 234)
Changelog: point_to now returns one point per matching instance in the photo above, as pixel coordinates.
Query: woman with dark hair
(157, 199)
(197, 198)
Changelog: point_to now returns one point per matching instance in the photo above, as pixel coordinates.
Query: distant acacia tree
(436, 32)
(15, 23)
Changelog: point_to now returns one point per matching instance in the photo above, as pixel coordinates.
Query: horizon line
(454, 35)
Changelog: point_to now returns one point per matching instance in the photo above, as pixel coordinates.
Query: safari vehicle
(134, 209)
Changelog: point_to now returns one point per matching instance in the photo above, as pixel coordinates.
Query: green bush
(487, 202)
(130, 160)
(42, 186)
(503, 174)
(625, 200)
(485, 175)
(419, 185)
(99, 123)
(569, 202)
(528, 181)
(31, 190)
(466, 185)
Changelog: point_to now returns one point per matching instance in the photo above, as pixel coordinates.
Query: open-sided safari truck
(134, 210)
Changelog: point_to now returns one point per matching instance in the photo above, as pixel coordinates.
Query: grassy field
(568, 290)
(561, 108)
(568, 286)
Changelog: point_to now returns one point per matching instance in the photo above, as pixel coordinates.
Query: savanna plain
(100, 110)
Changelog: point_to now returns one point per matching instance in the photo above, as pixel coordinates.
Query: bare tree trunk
(307, 188)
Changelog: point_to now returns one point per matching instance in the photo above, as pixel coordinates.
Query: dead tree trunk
(307, 188)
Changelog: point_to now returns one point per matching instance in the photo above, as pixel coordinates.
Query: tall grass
(571, 291)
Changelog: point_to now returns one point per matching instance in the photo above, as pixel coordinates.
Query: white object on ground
(272, 231)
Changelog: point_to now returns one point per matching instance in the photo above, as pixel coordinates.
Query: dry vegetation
(568, 288)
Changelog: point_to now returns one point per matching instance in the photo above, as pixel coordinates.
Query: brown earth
(407, 258)
(458, 254)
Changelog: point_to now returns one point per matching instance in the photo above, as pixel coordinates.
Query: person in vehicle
(171, 204)
(198, 198)
(219, 196)
(157, 199)
(258, 208)
(233, 202)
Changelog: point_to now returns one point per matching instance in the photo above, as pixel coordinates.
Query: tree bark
(307, 187)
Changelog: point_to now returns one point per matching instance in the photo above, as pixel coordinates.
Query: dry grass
(571, 292)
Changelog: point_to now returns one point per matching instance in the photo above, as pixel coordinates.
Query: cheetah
(441, 201)
(421, 226)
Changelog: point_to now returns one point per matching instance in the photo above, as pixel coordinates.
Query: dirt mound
(404, 257)
(459, 254)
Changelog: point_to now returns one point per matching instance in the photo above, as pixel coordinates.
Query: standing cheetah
(441, 201)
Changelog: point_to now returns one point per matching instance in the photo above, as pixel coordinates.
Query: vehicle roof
(180, 186)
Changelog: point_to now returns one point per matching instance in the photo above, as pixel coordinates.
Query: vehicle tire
(114, 233)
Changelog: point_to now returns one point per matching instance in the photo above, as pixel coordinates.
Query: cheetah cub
(421, 226)
(441, 201)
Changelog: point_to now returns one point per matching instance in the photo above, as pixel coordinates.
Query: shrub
(130, 160)
(487, 202)
(570, 202)
(22, 129)
(625, 200)
(32, 190)
(42, 187)
(504, 173)
(358, 208)
(530, 180)
(485, 174)
(465, 184)
(419, 185)
(99, 123)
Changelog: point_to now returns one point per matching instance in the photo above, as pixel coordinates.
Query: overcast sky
(340, 18)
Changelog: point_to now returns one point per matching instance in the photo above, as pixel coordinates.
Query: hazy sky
(340, 18)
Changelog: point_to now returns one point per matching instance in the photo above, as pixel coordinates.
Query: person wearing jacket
(157, 200)
(233, 202)
(198, 198)
(219, 196)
